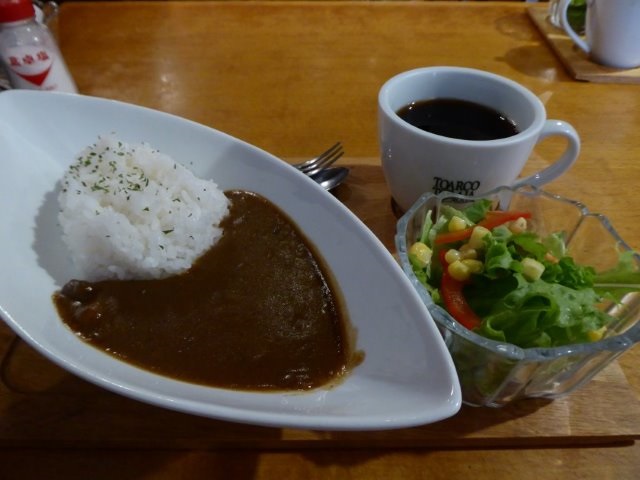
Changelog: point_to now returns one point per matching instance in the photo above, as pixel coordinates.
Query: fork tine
(317, 162)
(326, 162)
(326, 159)
(314, 162)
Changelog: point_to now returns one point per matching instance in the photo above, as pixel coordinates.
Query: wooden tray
(43, 405)
(574, 59)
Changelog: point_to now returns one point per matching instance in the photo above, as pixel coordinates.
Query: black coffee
(458, 119)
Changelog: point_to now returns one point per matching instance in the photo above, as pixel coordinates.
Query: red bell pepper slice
(453, 298)
(493, 219)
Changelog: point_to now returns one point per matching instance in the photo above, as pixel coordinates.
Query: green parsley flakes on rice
(131, 212)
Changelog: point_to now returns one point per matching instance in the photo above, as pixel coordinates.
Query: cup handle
(566, 26)
(568, 158)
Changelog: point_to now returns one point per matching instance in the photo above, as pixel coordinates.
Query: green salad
(503, 281)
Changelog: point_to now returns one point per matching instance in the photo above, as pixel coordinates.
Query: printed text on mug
(455, 186)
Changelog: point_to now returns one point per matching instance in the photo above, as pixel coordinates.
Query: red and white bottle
(29, 52)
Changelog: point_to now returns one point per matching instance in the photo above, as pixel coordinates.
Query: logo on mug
(467, 188)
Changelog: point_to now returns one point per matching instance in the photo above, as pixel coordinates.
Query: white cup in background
(612, 29)
(415, 161)
(554, 13)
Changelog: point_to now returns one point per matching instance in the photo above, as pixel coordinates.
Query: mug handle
(566, 26)
(568, 158)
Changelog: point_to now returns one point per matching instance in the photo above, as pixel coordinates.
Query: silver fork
(322, 161)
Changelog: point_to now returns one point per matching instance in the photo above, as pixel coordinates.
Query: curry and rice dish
(254, 310)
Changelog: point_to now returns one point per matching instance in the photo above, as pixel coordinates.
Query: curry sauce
(256, 312)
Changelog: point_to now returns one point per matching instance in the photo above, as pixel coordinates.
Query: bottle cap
(15, 10)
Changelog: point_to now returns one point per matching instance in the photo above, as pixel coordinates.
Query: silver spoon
(330, 178)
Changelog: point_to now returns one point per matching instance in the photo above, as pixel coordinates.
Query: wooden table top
(292, 78)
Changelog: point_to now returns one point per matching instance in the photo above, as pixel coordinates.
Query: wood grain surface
(578, 63)
(292, 78)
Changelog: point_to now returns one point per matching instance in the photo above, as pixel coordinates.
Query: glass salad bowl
(494, 373)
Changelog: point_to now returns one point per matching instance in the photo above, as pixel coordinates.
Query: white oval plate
(407, 377)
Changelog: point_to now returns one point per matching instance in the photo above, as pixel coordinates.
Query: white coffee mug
(612, 32)
(415, 161)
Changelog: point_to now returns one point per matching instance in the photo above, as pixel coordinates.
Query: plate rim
(222, 412)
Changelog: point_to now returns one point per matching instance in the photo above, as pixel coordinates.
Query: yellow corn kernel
(478, 233)
(475, 266)
(549, 257)
(595, 335)
(532, 269)
(451, 256)
(467, 251)
(421, 253)
(459, 271)
(518, 225)
(456, 224)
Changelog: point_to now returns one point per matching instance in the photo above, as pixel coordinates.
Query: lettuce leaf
(541, 314)
(477, 210)
(625, 271)
(621, 279)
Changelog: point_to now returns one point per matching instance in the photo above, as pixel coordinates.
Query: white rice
(131, 212)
